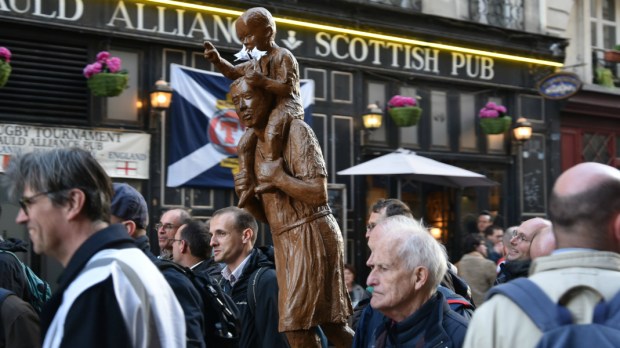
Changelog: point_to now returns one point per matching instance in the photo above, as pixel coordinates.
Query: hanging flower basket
(5, 67)
(493, 119)
(405, 116)
(105, 77)
(404, 111)
(107, 84)
(496, 125)
(612, 56)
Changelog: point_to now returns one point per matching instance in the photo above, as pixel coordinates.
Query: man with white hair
(407, 266)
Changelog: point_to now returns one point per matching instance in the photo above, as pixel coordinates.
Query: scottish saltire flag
(205, 129)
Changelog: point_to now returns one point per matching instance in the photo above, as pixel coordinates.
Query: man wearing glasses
(108, 284)
(191, 249)
(518, 258)
(167, 227)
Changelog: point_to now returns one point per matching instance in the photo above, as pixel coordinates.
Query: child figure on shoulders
(277, 71)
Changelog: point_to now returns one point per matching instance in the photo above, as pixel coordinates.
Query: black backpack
(222, 327)
(39, 290)
(555, 320)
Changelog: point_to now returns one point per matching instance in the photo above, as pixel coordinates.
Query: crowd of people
(115, 291)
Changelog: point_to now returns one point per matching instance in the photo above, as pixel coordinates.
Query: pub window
(320, 82)
(342, 87)
(467, 103)
(125, 106)
(439, 120)
(532, 107)
(376, 95)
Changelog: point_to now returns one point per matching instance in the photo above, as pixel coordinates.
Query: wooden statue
(283, 181)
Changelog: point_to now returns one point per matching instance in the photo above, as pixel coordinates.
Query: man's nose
(21, 217)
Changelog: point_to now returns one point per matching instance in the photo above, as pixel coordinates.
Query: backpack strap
(252, 284)
(534, 302)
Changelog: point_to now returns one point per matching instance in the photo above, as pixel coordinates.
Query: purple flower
(104, 63)
(103, 56)
(492, 110)
(398, 101)
(92, 69)
(6, 54)
(114, 64)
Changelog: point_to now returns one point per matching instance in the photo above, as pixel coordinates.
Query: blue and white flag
(205, 128)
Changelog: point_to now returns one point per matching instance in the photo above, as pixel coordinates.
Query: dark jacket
(259, 329)
(211, 268)
(185, 292)
(19, 323)
(13, 277)
(432, 325)
(510, 270)
(370, 319)
(85, 321)
(94, 317)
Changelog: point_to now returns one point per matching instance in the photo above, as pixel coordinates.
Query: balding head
(585, 207)
(543, 243)
(519, 248)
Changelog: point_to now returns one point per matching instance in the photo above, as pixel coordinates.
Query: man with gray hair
(110, 294)
(407, 266)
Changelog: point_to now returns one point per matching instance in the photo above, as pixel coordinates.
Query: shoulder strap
(532, 300)
(252, 284)
(4, 293)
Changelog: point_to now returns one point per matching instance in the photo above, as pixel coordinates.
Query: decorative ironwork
(501, 13)
(597, 147)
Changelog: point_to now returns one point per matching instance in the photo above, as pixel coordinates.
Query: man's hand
(210, 53)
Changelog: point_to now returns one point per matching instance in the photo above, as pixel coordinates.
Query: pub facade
(355, 53)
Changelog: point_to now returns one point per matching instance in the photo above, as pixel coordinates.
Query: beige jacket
(500, 323)
(478, 272)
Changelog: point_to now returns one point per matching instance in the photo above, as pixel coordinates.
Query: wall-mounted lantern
(372, 117)
(161, 95)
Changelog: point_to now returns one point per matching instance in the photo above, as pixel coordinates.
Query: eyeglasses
(520, 237)
(176, 240)
(24, 202)
(167, 227)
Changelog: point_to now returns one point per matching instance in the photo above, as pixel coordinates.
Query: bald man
(543, 243)
(584, 209)
(518, 258)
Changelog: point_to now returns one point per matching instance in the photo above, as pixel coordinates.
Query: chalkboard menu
(534, 176)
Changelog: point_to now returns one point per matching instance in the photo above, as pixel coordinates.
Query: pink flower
(104, 63)
(92, 69)
(6, 54)
(492, 110)
(398, 101)
(114, 64)
(103, 56)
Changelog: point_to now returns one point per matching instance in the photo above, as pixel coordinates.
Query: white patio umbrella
(420, 168)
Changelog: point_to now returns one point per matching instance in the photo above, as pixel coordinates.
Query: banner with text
(121, 154)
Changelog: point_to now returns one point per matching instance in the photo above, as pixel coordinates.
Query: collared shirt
(196, 265)
(233, 276)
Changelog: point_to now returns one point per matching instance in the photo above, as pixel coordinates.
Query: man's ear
(131, 227)
(75, 203)
(247, 235)
(420, 277)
